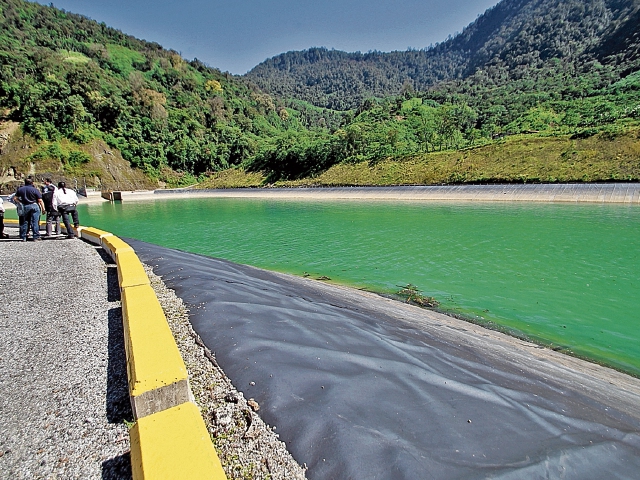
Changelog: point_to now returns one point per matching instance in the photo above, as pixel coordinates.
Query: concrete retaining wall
(625, 193)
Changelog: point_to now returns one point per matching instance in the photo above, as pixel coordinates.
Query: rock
(223, 416)
(231, 398)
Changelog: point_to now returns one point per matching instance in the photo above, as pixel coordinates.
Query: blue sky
(236, 35)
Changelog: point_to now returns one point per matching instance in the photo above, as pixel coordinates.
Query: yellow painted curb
(173, 445)
(130, 270)
(94, 235)
(158, 378)
(13, 221)
(114, 245)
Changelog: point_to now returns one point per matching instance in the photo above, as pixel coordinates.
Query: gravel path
(63, 396)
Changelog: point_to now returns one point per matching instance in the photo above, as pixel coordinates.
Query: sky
(236, 35)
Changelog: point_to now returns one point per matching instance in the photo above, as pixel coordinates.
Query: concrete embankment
(619, 193)
(625, 193)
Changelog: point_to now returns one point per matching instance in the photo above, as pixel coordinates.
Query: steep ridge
(513, 38)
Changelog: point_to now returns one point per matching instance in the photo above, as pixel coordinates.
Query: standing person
(32, 207)
(48, 184)
(12, 198)
(53, 217)
(2, 234)
(65, 201)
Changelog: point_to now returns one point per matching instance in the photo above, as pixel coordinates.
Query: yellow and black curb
(169, 439)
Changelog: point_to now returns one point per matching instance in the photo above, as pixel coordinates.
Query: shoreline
(415, 315)
(576, 193)
(554, 193)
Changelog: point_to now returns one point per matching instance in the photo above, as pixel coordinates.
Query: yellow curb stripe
(76, 230)
(93, 235)
(114, 245)
(173, 444)
(157, 375)
(169, 439)
(130, 270)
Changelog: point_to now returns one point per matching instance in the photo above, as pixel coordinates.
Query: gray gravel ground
(63, 397)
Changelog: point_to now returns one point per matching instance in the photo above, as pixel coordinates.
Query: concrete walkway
(63, 391)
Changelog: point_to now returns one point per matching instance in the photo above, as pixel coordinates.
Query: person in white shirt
(65, 201)
(2, 234)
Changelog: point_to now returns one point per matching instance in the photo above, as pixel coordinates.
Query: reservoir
(564, 275)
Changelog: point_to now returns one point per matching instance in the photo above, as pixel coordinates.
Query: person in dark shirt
(31, 200)
(53, 216)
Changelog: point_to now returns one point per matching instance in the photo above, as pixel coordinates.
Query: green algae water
(565, 275)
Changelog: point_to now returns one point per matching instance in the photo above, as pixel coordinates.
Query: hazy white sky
(236, 35)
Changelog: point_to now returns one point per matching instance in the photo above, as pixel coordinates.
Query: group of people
(53, 201)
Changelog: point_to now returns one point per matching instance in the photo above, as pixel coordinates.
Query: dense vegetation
(547, 68)
(65, 76)
(514, 159)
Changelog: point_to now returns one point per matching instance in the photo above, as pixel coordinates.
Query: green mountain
(514, 40)
(81, 100)
(547, 68)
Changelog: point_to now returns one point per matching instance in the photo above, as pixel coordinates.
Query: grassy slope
(523, 158)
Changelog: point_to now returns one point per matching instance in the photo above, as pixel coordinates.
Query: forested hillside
(77, 94)
(547, 68)
(515, 40)
(69, 80)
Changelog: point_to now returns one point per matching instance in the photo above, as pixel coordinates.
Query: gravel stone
(246, 446)
(63, 397)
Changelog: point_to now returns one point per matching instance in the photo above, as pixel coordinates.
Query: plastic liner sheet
(363, 387)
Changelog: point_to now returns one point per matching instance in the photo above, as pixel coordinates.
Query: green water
(568, 275)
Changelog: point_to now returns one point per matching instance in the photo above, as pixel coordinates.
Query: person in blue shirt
(31, 200)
